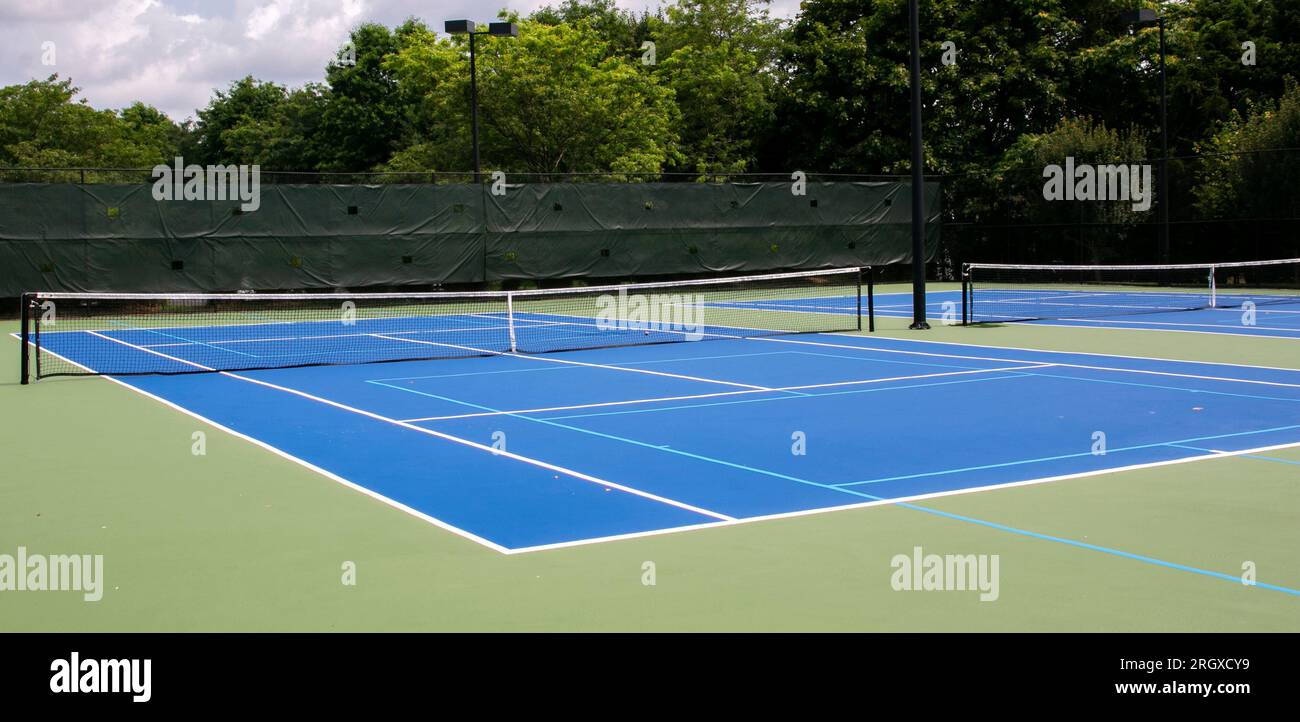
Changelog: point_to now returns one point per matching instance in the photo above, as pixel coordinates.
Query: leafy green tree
(622, 30)
(1251, 167)
(718, 56)
(287, 138)
(362, 125)
(1099, 230)
(247, 102)
(551, 101)
(846, 104)
(42, 125)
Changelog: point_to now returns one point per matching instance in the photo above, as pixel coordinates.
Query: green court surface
(242, 539)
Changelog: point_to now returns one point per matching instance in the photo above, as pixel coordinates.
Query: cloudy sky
(173, 53)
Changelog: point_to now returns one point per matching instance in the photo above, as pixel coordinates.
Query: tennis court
(1255, 298)
(627, 436)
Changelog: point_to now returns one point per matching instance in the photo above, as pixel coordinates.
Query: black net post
(965, 295)
(871, 300)
(26, 316)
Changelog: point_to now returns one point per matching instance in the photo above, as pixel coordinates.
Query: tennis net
(993, 293)
(129, 334)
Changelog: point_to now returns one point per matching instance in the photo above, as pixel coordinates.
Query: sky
(172, 54)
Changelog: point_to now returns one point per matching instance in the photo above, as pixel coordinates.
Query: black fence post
(965, 288)
(26, 316)
(871, 299)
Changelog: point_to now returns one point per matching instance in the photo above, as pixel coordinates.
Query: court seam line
(448, 437)
(898, 501)
(453, 317)
(1247, 456)
(1238, 297)
(842, 487)
(533, 369)
(1167, 388)
(182, 338)
(671, 530)
(1081, 454)
(1053, 363)
(1039, 350)
(581, 363)
(463, 533)
(1104, 550)
(534, 324)
(854, 492)
(831, 394)
(1030, 371)
(379, 382)
(630, 441)
(1100, 321)
(1229, 331)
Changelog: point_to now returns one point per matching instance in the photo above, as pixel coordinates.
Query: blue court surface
(528, 452)
(1271, 318)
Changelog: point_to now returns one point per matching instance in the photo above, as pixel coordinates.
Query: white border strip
(1139, 267)
(905, 499)
(1050, 363)
(440, 295)
(454, 439)
(878, 337)
(693, 397)
(731, 521)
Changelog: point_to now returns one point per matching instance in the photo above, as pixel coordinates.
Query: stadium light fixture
(470, 28)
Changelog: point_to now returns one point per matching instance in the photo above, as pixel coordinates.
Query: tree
(41, 125)
(718, 57)
(845, 105)
(621, 30)
(248, 102)
(551, 101)
(1252, 166)
(363, 123)
(286, 138)
(1083, 231)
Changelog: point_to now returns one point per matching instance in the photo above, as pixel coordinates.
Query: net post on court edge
(871, 301)
(25, 314)
(965, 290)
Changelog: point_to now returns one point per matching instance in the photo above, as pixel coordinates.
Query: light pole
(468, 27)
(918, 177)
(1142, 18)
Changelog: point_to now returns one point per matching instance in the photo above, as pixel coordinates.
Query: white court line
(1024, 361)
(901, 500)
(1049, 351)
(285, 455)
(1294, 329)
(550, 359)
(448, 437)
(692, 397)
(1228, 331)
(533, 324)
(747, 520)
(457, 317)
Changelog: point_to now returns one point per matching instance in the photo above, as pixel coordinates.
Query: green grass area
(241, 539)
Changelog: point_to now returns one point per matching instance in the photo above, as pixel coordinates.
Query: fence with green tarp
(103, 238)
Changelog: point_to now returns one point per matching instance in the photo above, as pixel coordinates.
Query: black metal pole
(1164, 155)
(918, 178)
(965, 291)
(473, 104)
(860, 274)
(871, 301)
(25, 314)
